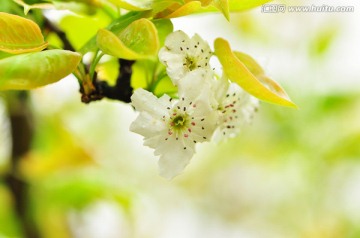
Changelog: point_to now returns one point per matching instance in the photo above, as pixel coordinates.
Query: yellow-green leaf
(182, 10)
(160, 5)
(19, 35)
(110, 44)
(241, 5)
(250, 63)
(259, 73)
(223, 6)
(239, 73)
(164, 28)
(133, 5)
(137, 41)
(28, 7)
(231, 5)
(31, 70)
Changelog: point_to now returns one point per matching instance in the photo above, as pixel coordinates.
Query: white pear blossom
(174, 126)
(207, 108)
(235, 106)
(181, 55)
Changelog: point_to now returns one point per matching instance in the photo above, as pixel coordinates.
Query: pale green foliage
(20, 71)
(138, 40)
(19, 35)
(239, 73)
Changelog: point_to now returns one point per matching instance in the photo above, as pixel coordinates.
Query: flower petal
(146, 125)
(144, 100)
(174, 157)
(196, 87)
(176, 40)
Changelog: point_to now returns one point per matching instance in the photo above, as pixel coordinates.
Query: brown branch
(22, 134)
(49, 26)
(122, 90)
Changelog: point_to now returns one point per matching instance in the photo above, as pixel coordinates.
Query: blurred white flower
(174, 127)
(235, 106)
(181, 55)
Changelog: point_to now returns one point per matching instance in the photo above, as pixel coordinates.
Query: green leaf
(227, 6)
(239, 73)
(78, 35)
(151, 74)
(83, 8)
(28, 7)
(19, 35)
(133, 5)
(116, 27)
(241, 5)
(4, 55)
(223, 6)
(137, 41)
(31, 70)
(181, 10)
(172, 9)
(259, 73)
(250, 63)
(161, 5)
(164, 28)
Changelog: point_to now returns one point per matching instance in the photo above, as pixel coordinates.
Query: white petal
(155, 141)
(196, 86)
(174, 66)
(195, 83)
(234, 118)
(176, 40)
(146, 125)
(174, 158)
(221, 87)
(200, 47)
(144, 100)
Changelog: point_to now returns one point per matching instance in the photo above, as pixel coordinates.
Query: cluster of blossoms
(206, 109)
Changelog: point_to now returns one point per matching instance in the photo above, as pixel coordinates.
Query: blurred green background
(291, 173)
